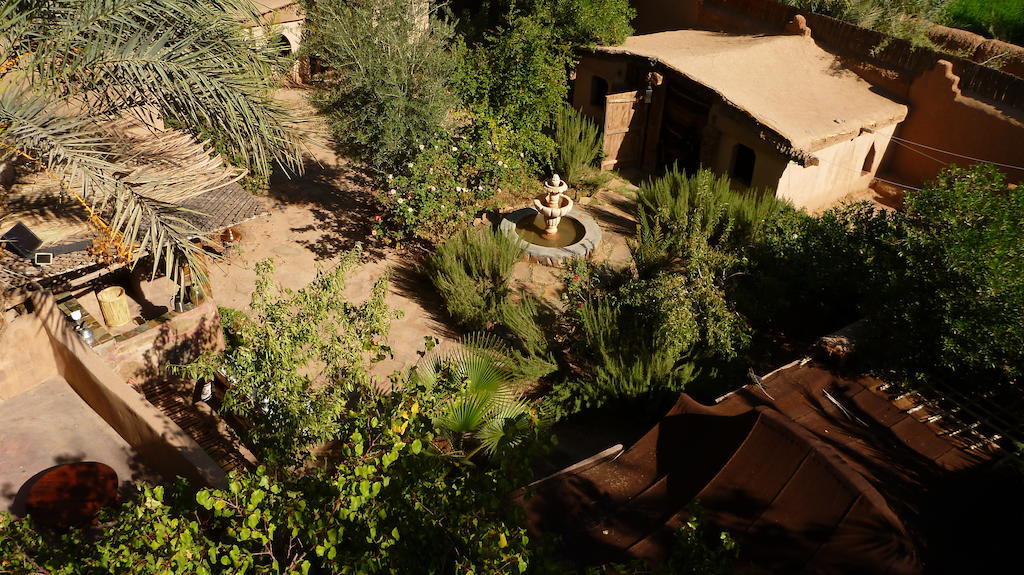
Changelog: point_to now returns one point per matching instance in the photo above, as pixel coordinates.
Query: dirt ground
(316, 217)
(313, 220)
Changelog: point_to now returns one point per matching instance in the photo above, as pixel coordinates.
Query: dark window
(598, 91)
(869, 160)
(743, 159)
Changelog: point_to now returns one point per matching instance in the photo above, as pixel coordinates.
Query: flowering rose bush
(448, 183)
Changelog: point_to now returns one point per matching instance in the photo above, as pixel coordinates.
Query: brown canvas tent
(810, 471)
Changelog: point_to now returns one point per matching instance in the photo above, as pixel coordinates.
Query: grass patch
(1001, 19)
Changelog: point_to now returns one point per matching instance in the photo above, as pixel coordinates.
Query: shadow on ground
(338, 198)
(409, 281)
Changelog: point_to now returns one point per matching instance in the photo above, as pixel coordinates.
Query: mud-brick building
(770, 111)
(802, 103)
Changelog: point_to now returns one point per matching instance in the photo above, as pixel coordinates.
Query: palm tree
(485, 409)
(86, 87)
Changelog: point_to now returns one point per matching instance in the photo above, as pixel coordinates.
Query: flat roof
(787, 83)
(49, 425)
(280, 11)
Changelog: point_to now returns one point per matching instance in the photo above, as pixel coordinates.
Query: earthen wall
(163, 445)
(980, 118)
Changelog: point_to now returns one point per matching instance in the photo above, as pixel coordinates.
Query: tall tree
(85, 89)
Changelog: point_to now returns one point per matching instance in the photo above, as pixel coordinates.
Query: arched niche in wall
(283, 45)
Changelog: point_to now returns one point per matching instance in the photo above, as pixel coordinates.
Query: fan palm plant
(484, 408)
(86, 86)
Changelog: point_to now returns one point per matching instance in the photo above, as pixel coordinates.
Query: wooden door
(623, 130)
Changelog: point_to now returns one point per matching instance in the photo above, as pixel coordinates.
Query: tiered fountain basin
(578, 235)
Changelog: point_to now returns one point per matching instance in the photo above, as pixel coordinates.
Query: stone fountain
(551, 231)
(553, 204)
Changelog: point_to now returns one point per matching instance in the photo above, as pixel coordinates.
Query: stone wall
(943, 118)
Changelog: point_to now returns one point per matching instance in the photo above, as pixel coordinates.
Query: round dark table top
(72, 494)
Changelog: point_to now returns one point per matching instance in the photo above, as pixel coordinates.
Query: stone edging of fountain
(554, 256)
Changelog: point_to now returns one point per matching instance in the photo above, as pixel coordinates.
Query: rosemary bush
(471, 271)
(579, 143)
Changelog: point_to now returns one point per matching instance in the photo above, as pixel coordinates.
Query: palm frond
(73, 71)
(507, 427)
(465, 413)
(195, 64)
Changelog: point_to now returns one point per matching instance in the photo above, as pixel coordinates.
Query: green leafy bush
(807, 276)
(1002, 19)
(387, 89)
(295, 363)
(593, 22)
(941, 281)
(382, 496)
(519, 73)
(449, 182)
(951, 304)
(579, 143)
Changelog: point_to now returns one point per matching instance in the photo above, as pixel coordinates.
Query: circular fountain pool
(531, 230)
(578, 235)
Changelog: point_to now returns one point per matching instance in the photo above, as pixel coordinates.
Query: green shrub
(449, 182)
(680, 218)
(519, 73)
(472, 271)
(1002, 19)
(388, 85)
(271, 360)
(942, 281)
(383, 495)
(593, 22)
(643, 338)
(807, 276)
(579, 143)
(951, 305)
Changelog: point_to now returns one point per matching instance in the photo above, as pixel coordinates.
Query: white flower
(392, 192)
(401, 200)
(390, 177)
(490, 143)
(522, 155)
(455, 148)
(410, 210)
(409, 164)
(422, 147)
(442, 206)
